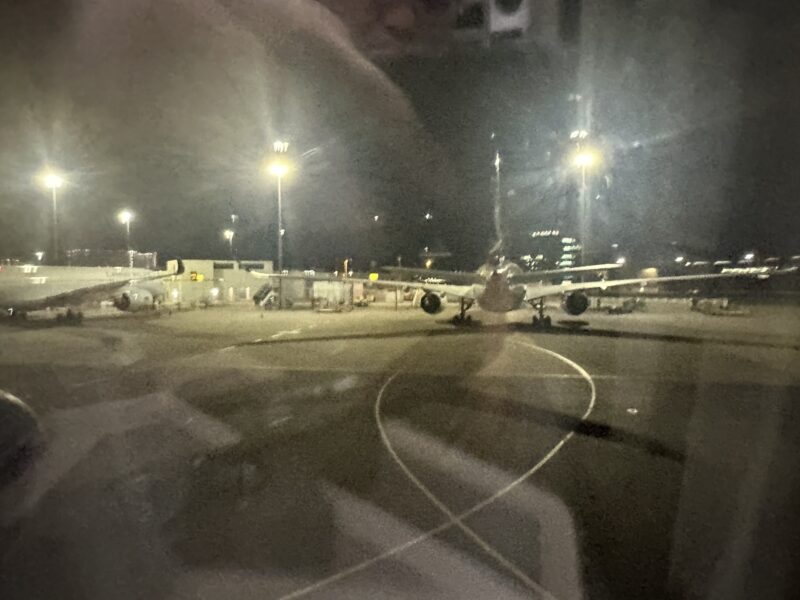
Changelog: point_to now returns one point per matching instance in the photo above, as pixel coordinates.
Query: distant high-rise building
(546, 249)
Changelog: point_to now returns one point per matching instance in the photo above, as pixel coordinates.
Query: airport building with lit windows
(546, 249)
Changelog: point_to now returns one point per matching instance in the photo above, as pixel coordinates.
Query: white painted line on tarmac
(368, 525)
(555, 547)
(283, 333)
(79, 384)
(259, 340)
(338, 576)
(453, 519)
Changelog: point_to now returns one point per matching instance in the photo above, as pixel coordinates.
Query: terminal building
(85, 257)
(211, 281)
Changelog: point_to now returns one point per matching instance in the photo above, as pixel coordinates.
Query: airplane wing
(458, 291)
(324, 277)
(85, 294)
(539, 275)
(454, 277)
(542, 291)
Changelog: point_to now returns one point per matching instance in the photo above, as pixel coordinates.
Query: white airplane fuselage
(21, 284)
(498, 296)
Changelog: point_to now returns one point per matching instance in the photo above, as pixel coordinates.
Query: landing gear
(70, 317)
(462, 318)
(542, 323)
(540, 320)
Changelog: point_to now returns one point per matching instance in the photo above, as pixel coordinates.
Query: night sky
(169, 108)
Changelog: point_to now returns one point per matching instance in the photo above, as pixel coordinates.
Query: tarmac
(236, 453)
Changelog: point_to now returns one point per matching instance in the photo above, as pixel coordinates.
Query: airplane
(501, 286)
(25, 288)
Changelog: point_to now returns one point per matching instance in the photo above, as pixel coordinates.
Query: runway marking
(457, 519)
(79, 384)
(260, 340)
(283, 333)
(453, 519)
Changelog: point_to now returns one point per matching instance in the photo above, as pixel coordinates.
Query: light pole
(279, 170)
(584, 159)
(53, 181)
(125, 217)
(498, 225)
(228, 235)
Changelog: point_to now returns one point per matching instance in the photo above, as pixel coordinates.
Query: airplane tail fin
(499, 248)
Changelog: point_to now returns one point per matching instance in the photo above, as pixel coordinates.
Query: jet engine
(134, 299)
(431, 303)
(575, 303)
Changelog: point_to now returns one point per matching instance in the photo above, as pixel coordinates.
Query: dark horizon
(171, 112)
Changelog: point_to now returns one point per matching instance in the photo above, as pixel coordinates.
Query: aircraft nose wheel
(542, 323)
(462, 320)
(72, 318)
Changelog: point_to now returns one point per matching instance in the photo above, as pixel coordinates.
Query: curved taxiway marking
(456, 520)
